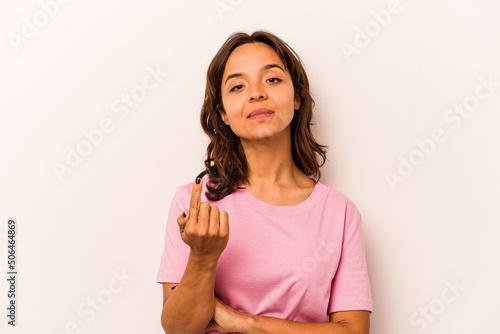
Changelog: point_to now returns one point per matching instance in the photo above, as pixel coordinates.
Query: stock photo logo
(95, 304)
(309, 264)
(222, 7)
(430, 312)
(363, 36)
(30, 27)
(121, 106)
(453, 118)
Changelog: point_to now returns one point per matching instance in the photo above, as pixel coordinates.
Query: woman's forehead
(252, 57)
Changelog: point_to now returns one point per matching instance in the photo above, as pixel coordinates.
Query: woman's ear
(297, 102)
(223, 115)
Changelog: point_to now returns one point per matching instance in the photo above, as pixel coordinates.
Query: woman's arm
(227, 319)
(189, 308)
(350, 322)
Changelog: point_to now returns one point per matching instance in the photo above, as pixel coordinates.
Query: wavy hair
(225, 163)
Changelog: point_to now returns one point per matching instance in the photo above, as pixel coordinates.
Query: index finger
(194, 204)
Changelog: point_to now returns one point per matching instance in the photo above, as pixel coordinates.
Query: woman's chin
(264, 135)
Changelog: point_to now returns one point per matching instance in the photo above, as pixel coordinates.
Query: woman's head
(258, 97)
(226, 162)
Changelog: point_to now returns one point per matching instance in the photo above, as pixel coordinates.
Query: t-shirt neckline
(285, 210)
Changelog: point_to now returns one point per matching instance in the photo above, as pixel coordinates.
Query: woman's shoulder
(334, 195)
(322, 190)
(342, 205)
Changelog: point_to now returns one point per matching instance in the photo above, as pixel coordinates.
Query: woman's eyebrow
(265, 67)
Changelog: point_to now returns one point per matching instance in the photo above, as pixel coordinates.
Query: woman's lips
(260, 113)
(261, 116)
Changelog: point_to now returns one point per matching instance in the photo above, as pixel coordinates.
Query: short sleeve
(175, 252)
(350, 285)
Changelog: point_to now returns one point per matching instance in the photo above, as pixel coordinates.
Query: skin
(206, 231)
(254, 77)
(273, 176)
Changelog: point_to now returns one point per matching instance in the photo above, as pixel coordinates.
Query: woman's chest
(300, 250)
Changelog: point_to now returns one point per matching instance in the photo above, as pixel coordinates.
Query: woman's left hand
(226, 319)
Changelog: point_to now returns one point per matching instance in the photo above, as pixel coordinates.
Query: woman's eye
(235, 88)
(274, 80)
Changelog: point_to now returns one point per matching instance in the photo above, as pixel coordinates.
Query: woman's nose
(257, 92)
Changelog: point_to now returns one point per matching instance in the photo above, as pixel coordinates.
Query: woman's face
(257, 93)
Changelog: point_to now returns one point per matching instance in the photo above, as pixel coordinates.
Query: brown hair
(226, 164)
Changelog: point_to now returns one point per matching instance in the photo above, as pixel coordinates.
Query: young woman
(260, 245)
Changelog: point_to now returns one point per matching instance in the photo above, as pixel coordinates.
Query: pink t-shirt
(297, 262)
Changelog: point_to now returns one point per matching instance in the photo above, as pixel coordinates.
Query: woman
(263, 246)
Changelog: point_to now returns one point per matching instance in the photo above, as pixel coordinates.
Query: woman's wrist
(202, 262)
(249, 323)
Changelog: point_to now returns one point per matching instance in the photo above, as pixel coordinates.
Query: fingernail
(198, 180)
(184, 214)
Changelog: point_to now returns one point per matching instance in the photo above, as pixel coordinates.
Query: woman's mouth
(261, 113)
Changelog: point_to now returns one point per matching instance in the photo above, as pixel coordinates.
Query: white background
(437, 226)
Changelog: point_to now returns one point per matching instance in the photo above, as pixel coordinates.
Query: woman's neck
(270, 162)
